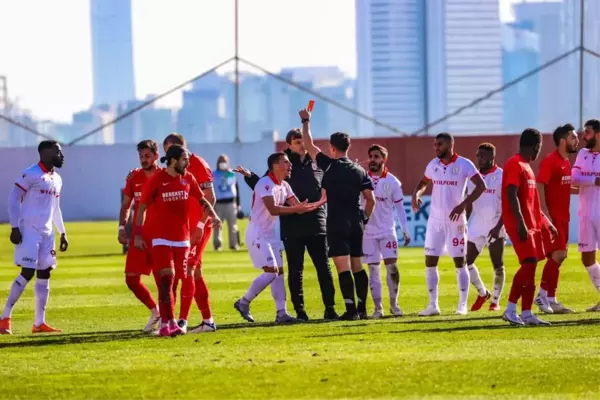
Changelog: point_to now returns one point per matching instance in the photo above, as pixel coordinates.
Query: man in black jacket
(306, 231)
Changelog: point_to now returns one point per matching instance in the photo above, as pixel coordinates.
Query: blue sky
(46, 54)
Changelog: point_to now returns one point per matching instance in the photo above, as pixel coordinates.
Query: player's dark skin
(51, 158)
(485, 162)
(530, 154)
(444, 150)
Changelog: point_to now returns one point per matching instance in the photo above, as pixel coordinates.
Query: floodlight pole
(236, 60)
(581, 54)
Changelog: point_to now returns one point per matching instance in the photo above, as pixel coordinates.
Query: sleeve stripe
(20, 187)
(398, 201)
(575, 167)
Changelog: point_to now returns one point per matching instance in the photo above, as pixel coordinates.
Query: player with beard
(33, 205)
(524, 222)
(169, 192)
(486, 227)
(139, 262)
(586, 175)
(380, 240)
(554, 186)
(447, 223)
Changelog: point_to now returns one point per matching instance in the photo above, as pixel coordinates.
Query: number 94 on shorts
(445, 235)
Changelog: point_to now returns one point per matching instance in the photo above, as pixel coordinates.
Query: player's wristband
(305, 120)
(121, 228)
(201, 225)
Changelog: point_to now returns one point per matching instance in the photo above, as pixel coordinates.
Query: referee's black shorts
(347, 243)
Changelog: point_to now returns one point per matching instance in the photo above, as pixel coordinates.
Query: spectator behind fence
(228, 203)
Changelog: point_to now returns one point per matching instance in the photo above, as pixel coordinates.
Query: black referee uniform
(305, 232)
(344, 181)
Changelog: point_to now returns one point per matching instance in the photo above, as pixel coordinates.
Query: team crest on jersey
(386, 187)
(455, 170)
(493, 178)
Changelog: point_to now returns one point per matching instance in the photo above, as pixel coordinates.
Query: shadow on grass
(75, 338)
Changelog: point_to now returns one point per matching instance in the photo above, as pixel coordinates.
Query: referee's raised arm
(314, 152)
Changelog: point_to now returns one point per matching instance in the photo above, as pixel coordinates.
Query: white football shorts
(265, 251)
(447, 235)
(375, 250)
(479, 231)
(36, 251)
(589, 234)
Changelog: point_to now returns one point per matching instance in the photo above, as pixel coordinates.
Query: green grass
(102, 355)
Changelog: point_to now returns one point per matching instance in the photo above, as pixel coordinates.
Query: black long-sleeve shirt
(305, 181)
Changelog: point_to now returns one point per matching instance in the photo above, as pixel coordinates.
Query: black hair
(445, 136)
(489, 147)
(530, 137)
(379, 148)
(293, 134)
(562, 132)
(274, 159)
(340, 141)
(148, 145)
(46, 144)
(594, 124)
(175, 138)
(174, 152)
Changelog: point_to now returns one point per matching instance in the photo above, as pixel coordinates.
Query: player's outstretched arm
(418, 192)
(57, 218)
(295, 207)
(515, 206)
(250, 177)
(14, 212)
(309, 143)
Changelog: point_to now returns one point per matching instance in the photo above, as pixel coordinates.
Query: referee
(344, 181)
(301, 232)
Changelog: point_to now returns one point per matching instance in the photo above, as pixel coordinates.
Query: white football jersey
(40, 199)
(487, 209)
(388, 195)
(449, 183)
(260, 216)
(588, 162)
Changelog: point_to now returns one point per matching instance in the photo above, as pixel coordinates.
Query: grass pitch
(103, 355)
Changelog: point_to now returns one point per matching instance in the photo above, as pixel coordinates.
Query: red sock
(175, 284)
(528, 291)
(201, 296)
(187, 297)
(137, 287)
(166, 298)
(517, 287)
(550, 277)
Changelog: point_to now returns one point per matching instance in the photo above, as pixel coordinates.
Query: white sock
(476, 280)
(257, 286)
(16, 290)
(552, 300)
(526, 313)
(375, 284)
(543, 293)
(278, 293)
(462, 277)
(393, 282)
(433, 278)
(498, 284)
(209, 320)
(511, 307)
(42, 292)
(594, 273)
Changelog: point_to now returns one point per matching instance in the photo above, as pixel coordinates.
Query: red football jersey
(517, 172)
(201, 171)
(133, 189)
(555, 173)
(169, 196)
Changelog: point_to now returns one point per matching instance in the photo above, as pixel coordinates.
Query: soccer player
(554, 186)
(344, 181)
(272, 197)
(138, 262)
(380, 240)
(34, 204)
(193, 285)
(524, 222)
(486, 227)
(168, 192)
(586, 175)
(447, 223)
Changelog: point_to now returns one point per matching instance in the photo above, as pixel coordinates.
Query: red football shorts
(171, 257)
(532, 248)
(138, 261)
(196, 251)
(562, 239)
